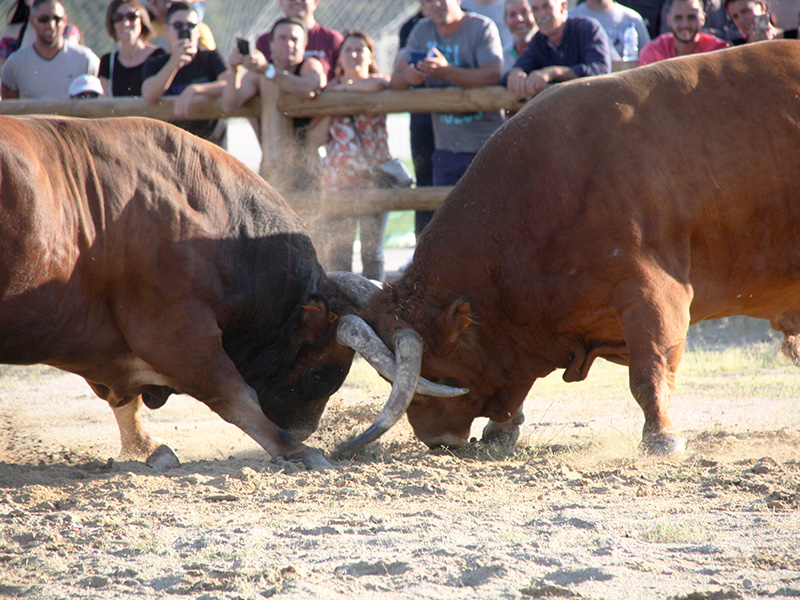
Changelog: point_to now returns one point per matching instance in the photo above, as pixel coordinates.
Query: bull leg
(247, 416)
(655, 333)
(205, 371)
(652, 381)
(504, 433)
(136, 443)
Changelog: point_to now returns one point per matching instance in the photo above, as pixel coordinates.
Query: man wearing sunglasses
(46, 68)
(185, 72)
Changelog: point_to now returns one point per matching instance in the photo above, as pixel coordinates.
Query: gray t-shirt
(36, 78)
(614, 21)
(495, 12)
(476, 43)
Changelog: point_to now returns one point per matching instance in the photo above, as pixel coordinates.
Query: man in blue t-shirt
(185, 72)
(564, 48)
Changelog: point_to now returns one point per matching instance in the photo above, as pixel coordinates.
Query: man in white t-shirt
(614, 19)
(46, 68)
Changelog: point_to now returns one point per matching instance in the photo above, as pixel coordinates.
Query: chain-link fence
(249, 18)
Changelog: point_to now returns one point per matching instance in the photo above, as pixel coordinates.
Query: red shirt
(323, 44)
(664, 47)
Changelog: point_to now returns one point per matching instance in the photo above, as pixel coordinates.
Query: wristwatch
(270, 72)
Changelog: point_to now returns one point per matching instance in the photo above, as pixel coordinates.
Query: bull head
(402, 367)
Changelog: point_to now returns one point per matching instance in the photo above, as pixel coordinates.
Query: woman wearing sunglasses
(128, 24)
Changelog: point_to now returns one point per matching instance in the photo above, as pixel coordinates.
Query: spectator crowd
(163, 48)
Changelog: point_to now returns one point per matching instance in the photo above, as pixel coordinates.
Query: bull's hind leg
(136, 443)
(789, 325)
(655, 333)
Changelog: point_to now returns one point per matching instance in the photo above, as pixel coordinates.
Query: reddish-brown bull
(600, 221)
(149, 261)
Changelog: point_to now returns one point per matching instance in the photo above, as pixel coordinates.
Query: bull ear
(453, 325)
(316, 320)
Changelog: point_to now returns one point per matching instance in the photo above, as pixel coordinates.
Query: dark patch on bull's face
(297, 408)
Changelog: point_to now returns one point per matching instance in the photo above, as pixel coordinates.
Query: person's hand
(256, 61)
(536, 82)
(184, 101)
(761, 35)
(434, 61)
(235, 58)
(515, 82)
(339, 86)
(184, 54)
(414, 76)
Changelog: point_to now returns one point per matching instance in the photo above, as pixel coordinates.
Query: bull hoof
(503, 433)
(163, 458)
(504, 437)
(311, 458)
(663, 445)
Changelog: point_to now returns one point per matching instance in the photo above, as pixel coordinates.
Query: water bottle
(630, 43)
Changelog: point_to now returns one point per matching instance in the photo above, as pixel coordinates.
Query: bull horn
(408, 346)
(355, 333)
(355, 288)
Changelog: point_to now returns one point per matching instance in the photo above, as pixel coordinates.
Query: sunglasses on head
(47, 18)
(181, 25)
(84, 95)
(128, 16)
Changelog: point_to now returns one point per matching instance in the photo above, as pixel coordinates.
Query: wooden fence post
(276, 136)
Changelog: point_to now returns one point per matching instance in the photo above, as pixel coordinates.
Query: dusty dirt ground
(573, 511)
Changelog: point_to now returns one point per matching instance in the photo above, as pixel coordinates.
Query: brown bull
(599, 222)
(150, 262)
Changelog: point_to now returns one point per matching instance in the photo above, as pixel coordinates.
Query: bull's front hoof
(310, 457)
(663, 445)
(503, 433)
(507, 436)
(163, 458)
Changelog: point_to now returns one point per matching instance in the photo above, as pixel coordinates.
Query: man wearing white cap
(85, 86)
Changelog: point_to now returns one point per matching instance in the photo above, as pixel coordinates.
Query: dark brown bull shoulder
(149, 261)
(600, 221)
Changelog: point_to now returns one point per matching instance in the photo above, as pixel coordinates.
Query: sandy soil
(573, 511)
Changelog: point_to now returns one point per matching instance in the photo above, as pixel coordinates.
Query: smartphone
(416, 56)
(243, 45)
(761, 22)
(185, 34)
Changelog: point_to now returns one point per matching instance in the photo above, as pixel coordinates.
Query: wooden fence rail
(275, 111)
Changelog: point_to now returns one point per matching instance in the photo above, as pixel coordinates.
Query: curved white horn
(408, 346)
(355, 333)
(356, 288)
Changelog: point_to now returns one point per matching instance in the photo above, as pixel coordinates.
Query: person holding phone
(461, 49)
(753, 20)
(185, 72)
(294, 74)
